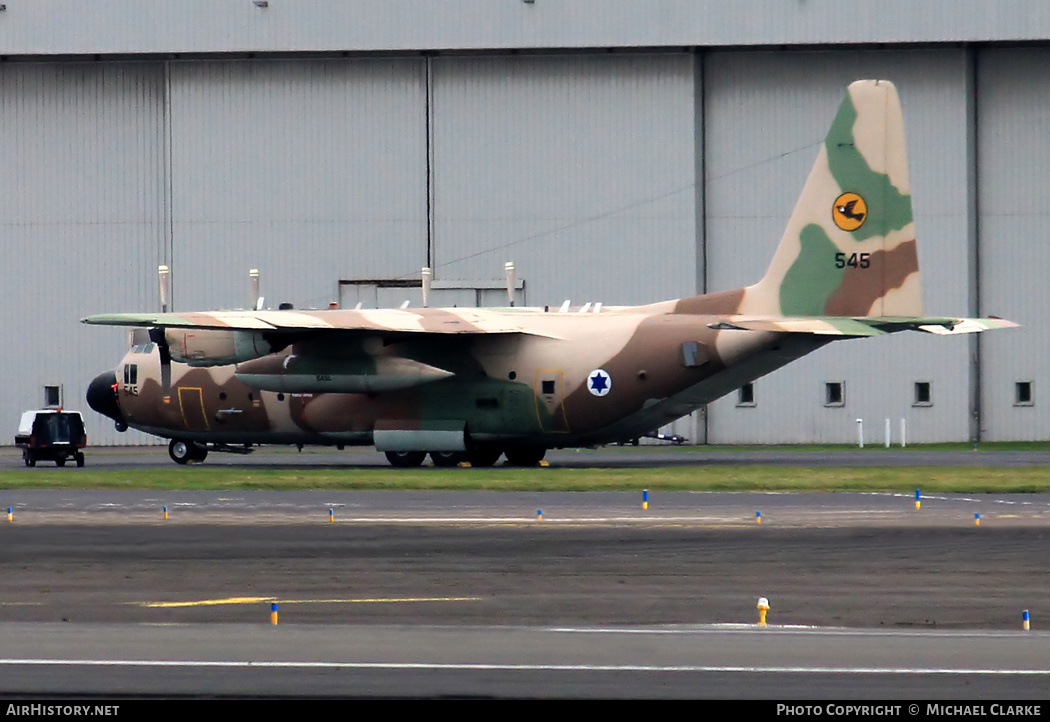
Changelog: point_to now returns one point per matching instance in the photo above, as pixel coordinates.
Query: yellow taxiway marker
(270, 600)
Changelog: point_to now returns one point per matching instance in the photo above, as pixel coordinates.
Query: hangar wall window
(1023, 394)
(835, 393)
(745, 396)
(52, 396)
(922, 394)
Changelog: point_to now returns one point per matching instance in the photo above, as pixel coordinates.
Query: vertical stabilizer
(849, 248)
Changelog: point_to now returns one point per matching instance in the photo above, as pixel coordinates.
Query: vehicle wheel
(447, 458)
(485, 455)
(525, 455)
(405, 459)
(60, 461)
(181, 452)
(28, 457)
(80, 458)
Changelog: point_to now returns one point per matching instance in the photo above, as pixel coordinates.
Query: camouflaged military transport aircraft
(474, 384)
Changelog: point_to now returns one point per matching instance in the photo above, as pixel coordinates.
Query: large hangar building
(616, 151)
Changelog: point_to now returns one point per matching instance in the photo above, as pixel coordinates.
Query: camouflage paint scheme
(474, 383)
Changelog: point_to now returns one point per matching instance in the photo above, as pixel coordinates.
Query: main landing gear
(481, 455)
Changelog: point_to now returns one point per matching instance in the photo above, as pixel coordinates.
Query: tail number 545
(853, 260)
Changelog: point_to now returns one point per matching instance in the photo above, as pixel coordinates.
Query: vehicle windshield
(59, 428)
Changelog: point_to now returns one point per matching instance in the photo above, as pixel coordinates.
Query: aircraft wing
(425, 321)
(861, 325)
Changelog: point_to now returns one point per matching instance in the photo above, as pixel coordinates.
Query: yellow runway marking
(270, 600)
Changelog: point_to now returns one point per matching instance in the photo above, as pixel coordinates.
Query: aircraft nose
(102, 396)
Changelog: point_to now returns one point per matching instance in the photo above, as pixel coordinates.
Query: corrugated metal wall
(1014, 139)
(309, 170)
(579, 167)
(222, 26)
(81, 213)
(766, 115)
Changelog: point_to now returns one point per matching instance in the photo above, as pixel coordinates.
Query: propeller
(156, 335)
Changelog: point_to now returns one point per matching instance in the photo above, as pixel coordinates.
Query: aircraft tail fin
(849, 248)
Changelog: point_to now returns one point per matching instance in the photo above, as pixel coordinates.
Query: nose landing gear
(186, 452)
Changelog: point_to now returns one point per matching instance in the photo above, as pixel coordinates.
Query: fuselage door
(550, 398)
(191, 400)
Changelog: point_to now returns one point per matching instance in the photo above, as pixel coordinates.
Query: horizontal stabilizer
(967, 325)
(825, 326)
(859, 326)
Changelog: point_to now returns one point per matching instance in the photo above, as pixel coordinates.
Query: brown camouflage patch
(862, 287)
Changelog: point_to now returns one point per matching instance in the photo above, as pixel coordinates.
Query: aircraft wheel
(181, 452)
(447, 458)
(484, 455)
(200, 452)
(80, 458)
(60, 461)
(405, 459)
(525, 455)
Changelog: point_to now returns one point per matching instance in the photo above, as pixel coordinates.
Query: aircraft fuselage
(571, 379)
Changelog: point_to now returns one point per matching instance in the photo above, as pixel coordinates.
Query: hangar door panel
(766, 115)
(1014, 147)
(579, 168)
(82, 215)
(309, 170)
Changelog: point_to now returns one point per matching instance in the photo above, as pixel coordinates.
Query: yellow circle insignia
(849, 211)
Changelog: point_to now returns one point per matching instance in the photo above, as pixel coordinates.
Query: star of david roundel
(599, 382)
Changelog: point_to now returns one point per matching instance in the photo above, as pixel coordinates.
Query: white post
(860, 433)
(512, 280)
(253, 288)
(887, 432)
(904, 437)
(165, 286)
(428, 277)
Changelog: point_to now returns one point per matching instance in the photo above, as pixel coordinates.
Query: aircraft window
(693, 354)
(487, 403)
(131, 374)
(547, 386)
(835, 393)
(922, 394)
(746, 395)
(1023, 394)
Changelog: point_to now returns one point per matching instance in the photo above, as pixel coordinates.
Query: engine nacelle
(210, 347)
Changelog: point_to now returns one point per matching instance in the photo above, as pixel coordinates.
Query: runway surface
(433, 594)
